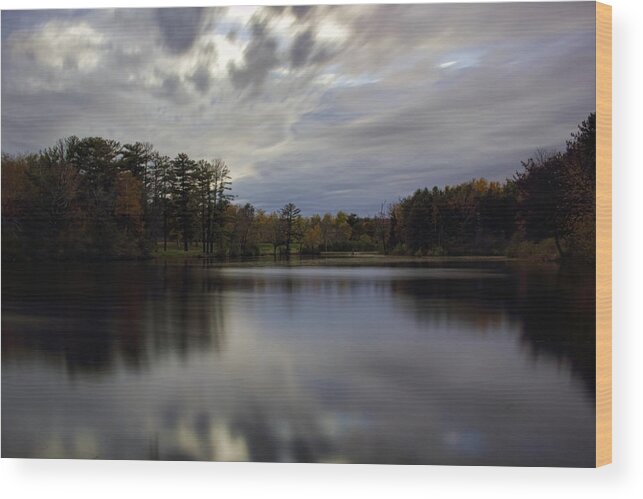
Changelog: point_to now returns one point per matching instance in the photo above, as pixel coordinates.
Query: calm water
(461, 364)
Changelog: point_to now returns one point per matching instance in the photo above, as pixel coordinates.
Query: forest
(95, 198)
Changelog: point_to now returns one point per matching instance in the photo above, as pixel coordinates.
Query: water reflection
(554, 310)
(98, 318)
(460, 364)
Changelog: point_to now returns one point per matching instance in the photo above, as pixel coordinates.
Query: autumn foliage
(96, 198)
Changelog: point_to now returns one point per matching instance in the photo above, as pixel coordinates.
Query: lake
(409, 362)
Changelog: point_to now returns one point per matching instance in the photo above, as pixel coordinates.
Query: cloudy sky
(328, 107)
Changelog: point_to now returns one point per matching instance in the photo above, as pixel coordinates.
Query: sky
(329, 107)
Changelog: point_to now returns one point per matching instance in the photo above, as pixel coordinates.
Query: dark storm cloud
(232, 35)
(302, 48)
(301, 11)
(201, 79)
(171, 84)
(276, 9)
(180, 27)
(332, 108)
(260, 57)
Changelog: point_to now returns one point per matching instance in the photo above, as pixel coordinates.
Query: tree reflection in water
(451, 364)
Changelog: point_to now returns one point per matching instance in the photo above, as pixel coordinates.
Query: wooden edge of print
(603, 234)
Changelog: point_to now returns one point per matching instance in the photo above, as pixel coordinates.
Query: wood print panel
(603, 234)
(349, 234)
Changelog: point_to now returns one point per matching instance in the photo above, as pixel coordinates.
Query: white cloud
(60, 45)
(332, 31)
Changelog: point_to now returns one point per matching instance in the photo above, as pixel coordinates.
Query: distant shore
(340, 257)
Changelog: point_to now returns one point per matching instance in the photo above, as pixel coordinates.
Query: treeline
(546, 211)
(96, 198)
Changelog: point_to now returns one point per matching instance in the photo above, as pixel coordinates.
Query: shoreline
(324, 259)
